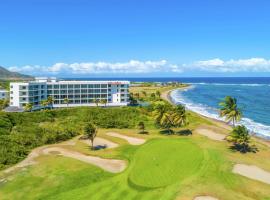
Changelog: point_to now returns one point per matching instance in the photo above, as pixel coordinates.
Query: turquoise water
(253, 99)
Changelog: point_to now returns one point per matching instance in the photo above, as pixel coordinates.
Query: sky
(130, 38)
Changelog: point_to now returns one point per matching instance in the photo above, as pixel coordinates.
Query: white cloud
(241, 65)
(131, 67)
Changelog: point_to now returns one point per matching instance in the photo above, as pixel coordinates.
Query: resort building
(3, 94)
(69, 93)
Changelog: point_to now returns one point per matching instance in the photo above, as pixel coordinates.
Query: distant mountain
(6, 74)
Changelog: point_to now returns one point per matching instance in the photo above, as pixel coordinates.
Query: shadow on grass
(244, 148)
(184, 132)
(143, 132)
(99, 147)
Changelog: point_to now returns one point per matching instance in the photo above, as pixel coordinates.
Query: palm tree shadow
(184, 132)
(99, 147)
(244, 148)
(166, 132)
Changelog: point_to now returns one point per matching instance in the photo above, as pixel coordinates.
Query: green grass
(167, 161)
(166, 167)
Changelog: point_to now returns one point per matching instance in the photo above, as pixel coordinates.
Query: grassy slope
(55, 177)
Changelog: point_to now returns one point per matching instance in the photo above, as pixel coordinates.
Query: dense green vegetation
(21, 132)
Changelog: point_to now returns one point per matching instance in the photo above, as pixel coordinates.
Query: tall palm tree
(66, 101)
(90, 130)
(50, 101)
(230, 110)
(28, 107)
(180, 116)
(158, 94)
(144, 93)
(104, 102)
(96, 101)
(44, 103)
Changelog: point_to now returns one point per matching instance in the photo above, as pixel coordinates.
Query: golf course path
(101, 142)
(252, 172)
(205, 198)
(210, 134)
(111, 165)
(130, 140)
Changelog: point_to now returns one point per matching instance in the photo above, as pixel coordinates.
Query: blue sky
(84, 38)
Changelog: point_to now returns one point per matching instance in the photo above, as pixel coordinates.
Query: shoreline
(167, 97)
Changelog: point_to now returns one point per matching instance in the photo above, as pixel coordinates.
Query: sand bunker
(205, 198)
(252, 172)
(130, 140)
(111, 165)
(210, 134)
(102, 143)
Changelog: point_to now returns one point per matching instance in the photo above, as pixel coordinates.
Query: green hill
(6, 74)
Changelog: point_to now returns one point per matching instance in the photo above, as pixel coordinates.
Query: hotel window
(63, 86)
(77, 91)
(84, 90)
(83, 86)
(90, 90)
(56, 86)
(103, 85)
(90, 86)
(97, 86)
(56, 91)
(77, 86)
(77, 101)
(103, 90)
(49, 86)
(70, 86)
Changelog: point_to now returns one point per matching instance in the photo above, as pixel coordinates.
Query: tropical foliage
(90, 131)
(230, 110)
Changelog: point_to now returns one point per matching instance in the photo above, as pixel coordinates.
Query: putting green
(162, 162)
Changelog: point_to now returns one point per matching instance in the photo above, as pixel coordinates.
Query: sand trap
(210, 134)
(111, 165)
(101, 142)
(130, 140)
(205, 198)
(253, 172)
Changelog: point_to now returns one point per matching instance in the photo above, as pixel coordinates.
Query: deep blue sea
(253, 95)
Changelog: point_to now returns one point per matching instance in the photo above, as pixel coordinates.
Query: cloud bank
(131, 67)
(161, 67)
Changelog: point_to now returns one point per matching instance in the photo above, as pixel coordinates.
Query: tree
(144, 93)
(50, 101)
(96, 101)
(180, 116)
(104, 102)
(44, 103)
(230, 110)
(141, 127)
(241, 138)
(66, 101)
(28, 107)
(158, 94)
(152, 96)
(90, 131)
(3, 103)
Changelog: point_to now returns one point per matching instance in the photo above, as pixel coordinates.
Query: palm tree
(240, 137)
(96, 101)
(158, 93)
(180, 116)
(28, 107)
(144, 93)
(90, 131)
(141, 127)
(66, 101)
(50, 101)
(230, 110)
(104, 102)
(44, 103)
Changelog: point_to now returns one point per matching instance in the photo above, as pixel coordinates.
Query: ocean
(203, 97)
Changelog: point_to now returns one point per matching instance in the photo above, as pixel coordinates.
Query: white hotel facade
(78, 93)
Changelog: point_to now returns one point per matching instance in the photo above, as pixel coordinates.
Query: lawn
(165, 167)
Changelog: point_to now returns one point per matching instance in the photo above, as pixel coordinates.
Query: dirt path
(205, 198)
(252, 172)
(111, 165)
(130, 140)
(210, 134)
(102, 143)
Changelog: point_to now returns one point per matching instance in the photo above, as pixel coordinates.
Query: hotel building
(78, 93)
